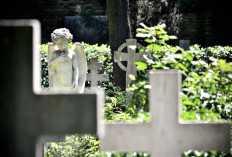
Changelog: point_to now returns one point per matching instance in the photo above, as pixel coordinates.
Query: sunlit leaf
(141, 65)
(172, 37)
(132, 77)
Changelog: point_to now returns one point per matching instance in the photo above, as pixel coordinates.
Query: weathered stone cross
(94, 77)
(131, 57)
(166, 135)
(26, 116)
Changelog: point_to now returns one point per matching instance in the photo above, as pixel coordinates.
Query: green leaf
(141, 65)
(188, 103)
(144, 26)
(132, 77)
(182, 67)
(142, 35)
(154, 47)
(141, 30)
(162, 25)
(172, 37)
(148, 40)
(166, 37)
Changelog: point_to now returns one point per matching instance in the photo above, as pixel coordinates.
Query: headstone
(93, 29)
(185, 44)
(94, 77)
(26, 115)
(130, 57)
(166, 135)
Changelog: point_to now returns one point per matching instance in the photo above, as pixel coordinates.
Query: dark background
(205, 22)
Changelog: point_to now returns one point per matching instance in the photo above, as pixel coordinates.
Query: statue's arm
(75, 71)
(51, 49)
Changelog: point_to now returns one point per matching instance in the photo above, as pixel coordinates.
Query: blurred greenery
(206, 89)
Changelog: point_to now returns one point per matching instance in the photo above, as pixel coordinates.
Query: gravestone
(94, 77)
(26, 115)
(166, 135)
(185, 44)
(130, 57)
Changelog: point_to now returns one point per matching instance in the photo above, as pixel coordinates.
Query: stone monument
(26, 114)
(130, 57)
(94, 77)
(166, 135)
(67, 68)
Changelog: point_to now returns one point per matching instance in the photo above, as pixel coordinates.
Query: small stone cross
(185, 44)
(94, 77)
(130, 57)
(166, 135)
(26, 116)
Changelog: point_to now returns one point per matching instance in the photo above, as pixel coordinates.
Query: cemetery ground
(206, 89)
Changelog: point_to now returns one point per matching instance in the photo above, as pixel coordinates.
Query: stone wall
(51, 13)
(205, 22)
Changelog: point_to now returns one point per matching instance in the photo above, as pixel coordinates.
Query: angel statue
(67, 68)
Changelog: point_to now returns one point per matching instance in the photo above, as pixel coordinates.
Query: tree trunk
(119, 31)
(133, 17)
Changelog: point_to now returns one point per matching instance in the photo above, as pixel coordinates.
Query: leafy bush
(206, 89)
(206, 76)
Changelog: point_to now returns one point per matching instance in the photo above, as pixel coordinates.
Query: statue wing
(82, 66)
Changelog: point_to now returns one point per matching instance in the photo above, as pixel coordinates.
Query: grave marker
(166, 135)
(185, 44)
(26, 116)
(130, 57)
(94, 77)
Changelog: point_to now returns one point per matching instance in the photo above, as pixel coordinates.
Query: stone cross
(26, 115)
(130, 57)
(166, 135)
(185, 44)
(94, 77)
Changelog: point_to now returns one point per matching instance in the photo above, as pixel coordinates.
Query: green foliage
(75, 145)
(156, 35)
(206, 89)
(44, 64)
(206, 80)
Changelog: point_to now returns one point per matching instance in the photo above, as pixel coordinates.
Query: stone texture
(166, 131)
(67, 68)
(94, 77)
(185, 44)
(26, 115)
(130, 57)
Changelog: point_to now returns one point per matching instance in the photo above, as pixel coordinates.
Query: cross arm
(126, 137)
(199, 136)
(66, 115)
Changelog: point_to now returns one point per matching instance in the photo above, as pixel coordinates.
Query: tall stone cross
(94, 77)
(25, 114)
(130, 57)
(166, 135)
(185, 44)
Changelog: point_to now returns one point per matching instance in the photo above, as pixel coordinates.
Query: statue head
(61, 37)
